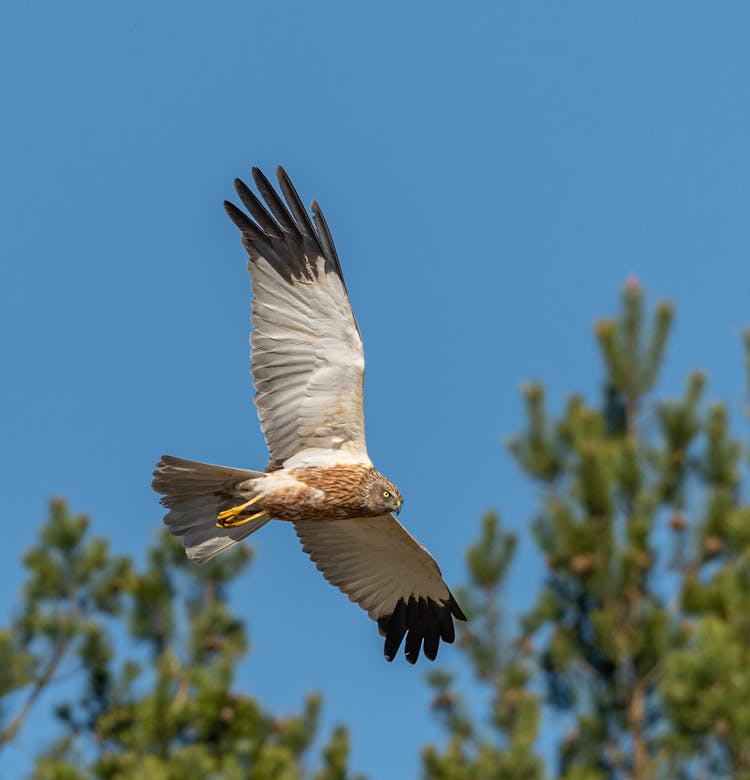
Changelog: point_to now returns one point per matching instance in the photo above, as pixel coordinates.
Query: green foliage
(504, 748)
(163, 705)
(73, 586)
(639, 637)
(642, 626)
(623, 556)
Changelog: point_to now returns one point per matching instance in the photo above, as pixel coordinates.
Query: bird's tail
(196, 494)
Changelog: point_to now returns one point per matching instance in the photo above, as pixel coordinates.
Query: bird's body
(333, 492)
(308, 368)
(311, 492)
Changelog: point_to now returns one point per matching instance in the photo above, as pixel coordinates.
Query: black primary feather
(424, 622)
(282, 233)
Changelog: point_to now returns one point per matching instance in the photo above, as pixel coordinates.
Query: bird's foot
(232, 517)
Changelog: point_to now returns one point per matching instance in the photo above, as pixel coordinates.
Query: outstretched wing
(308, 364)
(381, 567)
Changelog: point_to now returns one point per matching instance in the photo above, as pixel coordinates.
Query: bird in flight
(308, 371)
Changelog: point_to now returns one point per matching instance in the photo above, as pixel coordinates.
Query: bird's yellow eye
(386, 494)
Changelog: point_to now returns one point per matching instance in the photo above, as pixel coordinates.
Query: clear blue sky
(491, 172)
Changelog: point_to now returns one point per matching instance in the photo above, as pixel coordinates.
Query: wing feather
(257, 210)
(269, 195)
(381, 567)
(308, 362)
(326, 239)
(299, 212)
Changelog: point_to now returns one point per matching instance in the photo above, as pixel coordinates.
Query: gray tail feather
(195, 493)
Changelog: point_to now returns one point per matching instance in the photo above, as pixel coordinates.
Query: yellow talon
(230, 518)
(227, 523)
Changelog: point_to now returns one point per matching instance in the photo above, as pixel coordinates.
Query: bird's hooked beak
(398, 506)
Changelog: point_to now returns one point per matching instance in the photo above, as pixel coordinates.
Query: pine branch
(60, 650)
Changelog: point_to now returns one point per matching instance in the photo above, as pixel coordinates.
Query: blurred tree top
(639, 642)
(149, 659)
(635, 655)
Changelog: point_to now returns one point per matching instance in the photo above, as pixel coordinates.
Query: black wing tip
(235, 214)
(282, 175)
(456, 611)
(424, 622)
(260, 178)
(240, 188)
(285, 237)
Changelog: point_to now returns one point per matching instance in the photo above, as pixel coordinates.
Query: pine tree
(504, 745)
(642, 625)
(150, 659)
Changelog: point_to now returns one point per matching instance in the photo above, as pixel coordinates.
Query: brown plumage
(308, 369)
(333, 492)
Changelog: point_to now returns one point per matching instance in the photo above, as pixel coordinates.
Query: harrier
(308, 370)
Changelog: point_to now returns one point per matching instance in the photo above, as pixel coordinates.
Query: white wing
(308, 363)
(381, 567)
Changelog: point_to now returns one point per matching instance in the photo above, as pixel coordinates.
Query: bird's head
(384, 495)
